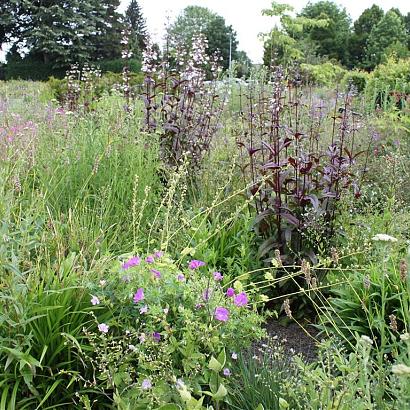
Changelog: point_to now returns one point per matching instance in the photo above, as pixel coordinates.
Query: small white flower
(146, 384)
(382, 237)
(166, 310)
(366, 339)
(234, 356)
(95, 301)
(401, 370)
(131, 347)
(404, 337)
(103, 328)
(103, 282)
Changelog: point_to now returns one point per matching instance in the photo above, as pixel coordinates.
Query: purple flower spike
(221, 314)
(139, 295)
(207, 294)
(156, 273)
(230, 292)
(156, 336)
(158, 254)
(195, 264)
(218, 276)
(241, 299)
(130, 263)
(150, 259)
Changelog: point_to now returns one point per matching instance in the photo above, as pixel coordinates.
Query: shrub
(325, 74)
(357, 78)
(170, 334)
(389, 84)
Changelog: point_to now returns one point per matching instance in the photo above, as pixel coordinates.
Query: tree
(200, 20)
(109, 27)
(389, 31)
(285, 43)
(361, 31)
(331, 41)
(407, 24)
(243, 64)
(137, 26)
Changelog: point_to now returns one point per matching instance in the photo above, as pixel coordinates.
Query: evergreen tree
(137, 26)
(390, 31)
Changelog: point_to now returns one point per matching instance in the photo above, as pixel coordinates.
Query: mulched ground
(294, 339)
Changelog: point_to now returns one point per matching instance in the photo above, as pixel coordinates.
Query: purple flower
(150, 259)
(103, 328)
(180, 277)
(156, 273)
(139, 295)
(158, 254)
(230, 292)
(144, 309)
(241, 299)
(221, 314)
(195, 264)
(146, 384)
(207, 294)
(217, 276)
(156, 336)
(95, 301)
(226, 372)
(134, 261)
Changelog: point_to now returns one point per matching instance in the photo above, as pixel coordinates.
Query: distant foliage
(326, 74)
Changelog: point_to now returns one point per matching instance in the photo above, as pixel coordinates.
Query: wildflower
(278, 259)
(139, 295)
(130, 263)
(103, 283)
(144, 309)
(366, 340)
(241, 299)
(146, 384)
(230, 292)
(401, 370)
(166, 310)
(103, 328)
(180, 277)
(207, 294)
(180, 384)
(405, 337)
(217, 276)
(142, 337)
(195, 264)
(286, 307)
(221, 314)
(158, 254)
(403, 270)
(234, 356)
(95, 301)
(305, 268)
(382, 237)
(156, 273)
(393, 322)
(132, 348)
(226, 372)
(156, 336)
(366, 282)
(199, 306)
(150, 259)
(126, 278)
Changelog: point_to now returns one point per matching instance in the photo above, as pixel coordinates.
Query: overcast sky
(244, 16)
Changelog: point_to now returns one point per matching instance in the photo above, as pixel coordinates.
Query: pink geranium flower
(221, 314)
(195, 264)
(241, 299)
(139, 295)
(134, 261)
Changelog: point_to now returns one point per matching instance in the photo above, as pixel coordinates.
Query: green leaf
(215, 365)
(221, 393)
(222, 357)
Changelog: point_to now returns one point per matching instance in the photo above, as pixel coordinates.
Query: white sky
(245, 16)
